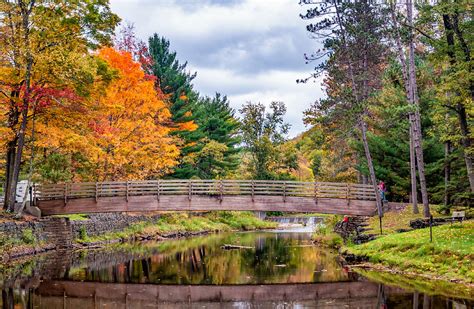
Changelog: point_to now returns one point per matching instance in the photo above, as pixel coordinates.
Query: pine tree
(219, 125)
(175, 82)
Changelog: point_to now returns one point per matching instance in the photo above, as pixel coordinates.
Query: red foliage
(43, 97)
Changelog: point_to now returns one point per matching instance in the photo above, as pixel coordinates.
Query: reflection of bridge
(69, 294)
(204, 195)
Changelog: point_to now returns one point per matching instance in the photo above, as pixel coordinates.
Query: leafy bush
(83, 233)
(27, 237)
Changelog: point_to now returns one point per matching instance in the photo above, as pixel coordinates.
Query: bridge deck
(204, 195)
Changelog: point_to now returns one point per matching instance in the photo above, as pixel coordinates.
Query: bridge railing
(203, 187)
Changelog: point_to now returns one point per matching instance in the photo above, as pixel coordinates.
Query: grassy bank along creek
(324, 234)
(181, 224)
(169, 225)
(449, 257)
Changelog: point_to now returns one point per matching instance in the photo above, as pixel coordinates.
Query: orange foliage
(130, 124)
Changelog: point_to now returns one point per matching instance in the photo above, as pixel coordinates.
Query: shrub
(83, 233)
(27, 237)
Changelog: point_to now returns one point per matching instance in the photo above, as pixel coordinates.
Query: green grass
(324, 233)
(73, 217)
(450, 255)
(184, 222)
(393, 221)
(27, 239)
(419, 284)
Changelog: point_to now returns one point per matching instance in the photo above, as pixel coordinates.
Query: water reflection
(280, 270)
(272, 258)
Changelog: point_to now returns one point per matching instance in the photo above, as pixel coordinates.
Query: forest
(82, 98)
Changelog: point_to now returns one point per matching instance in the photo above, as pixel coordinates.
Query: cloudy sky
(250, 50)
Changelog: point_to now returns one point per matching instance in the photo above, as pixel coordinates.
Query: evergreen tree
(175, 82)
(219, 153)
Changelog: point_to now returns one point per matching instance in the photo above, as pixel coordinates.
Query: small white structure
(20, 191)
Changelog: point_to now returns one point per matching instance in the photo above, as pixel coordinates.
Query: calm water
(272, 270)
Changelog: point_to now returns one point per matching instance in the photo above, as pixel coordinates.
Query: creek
(273, 269)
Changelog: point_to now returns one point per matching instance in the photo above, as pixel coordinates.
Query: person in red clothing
(382, 190)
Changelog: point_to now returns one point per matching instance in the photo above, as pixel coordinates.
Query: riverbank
(404, 251)
(449, 257)
(177, 225)
(29, 236)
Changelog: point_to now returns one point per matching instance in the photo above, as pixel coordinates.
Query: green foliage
(391, 153)
(83, 234)
(264, 134)
(324, 232)
(219, 152)
(173, 79)
(55, 168)
(210, 150)
(27, 237)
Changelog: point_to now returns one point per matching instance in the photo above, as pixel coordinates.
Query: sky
(249, 50)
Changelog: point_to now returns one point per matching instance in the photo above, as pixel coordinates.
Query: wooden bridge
(205, 195)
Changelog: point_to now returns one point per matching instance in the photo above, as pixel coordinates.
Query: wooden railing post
(284, 191)
(348, 191)
(96, 192)
(65, 193)
(316, 192)
(253, 190)
(158, 193)
(221, 189)
(127, 191)
(190, 189)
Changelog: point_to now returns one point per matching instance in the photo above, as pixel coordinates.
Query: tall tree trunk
(466, 143)
(13, 118)
(414, 193)
(409, 94)
(11, 151)
(415, 117)
(451, 27)
(378, 198)
(362, 123)
(10, 195)
(447, 173)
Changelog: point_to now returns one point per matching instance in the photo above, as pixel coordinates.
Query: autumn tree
(132, 124)
(44, 53)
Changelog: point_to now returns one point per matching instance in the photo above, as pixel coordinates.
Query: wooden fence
(216, 188)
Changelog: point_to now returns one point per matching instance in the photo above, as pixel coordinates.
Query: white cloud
(250, 50)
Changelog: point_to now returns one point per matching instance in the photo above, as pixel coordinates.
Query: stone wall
(98, 224)
(16, 229)
(61, 231)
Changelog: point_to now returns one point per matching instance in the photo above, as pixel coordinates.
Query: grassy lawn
(393, 221)
(450, 255)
